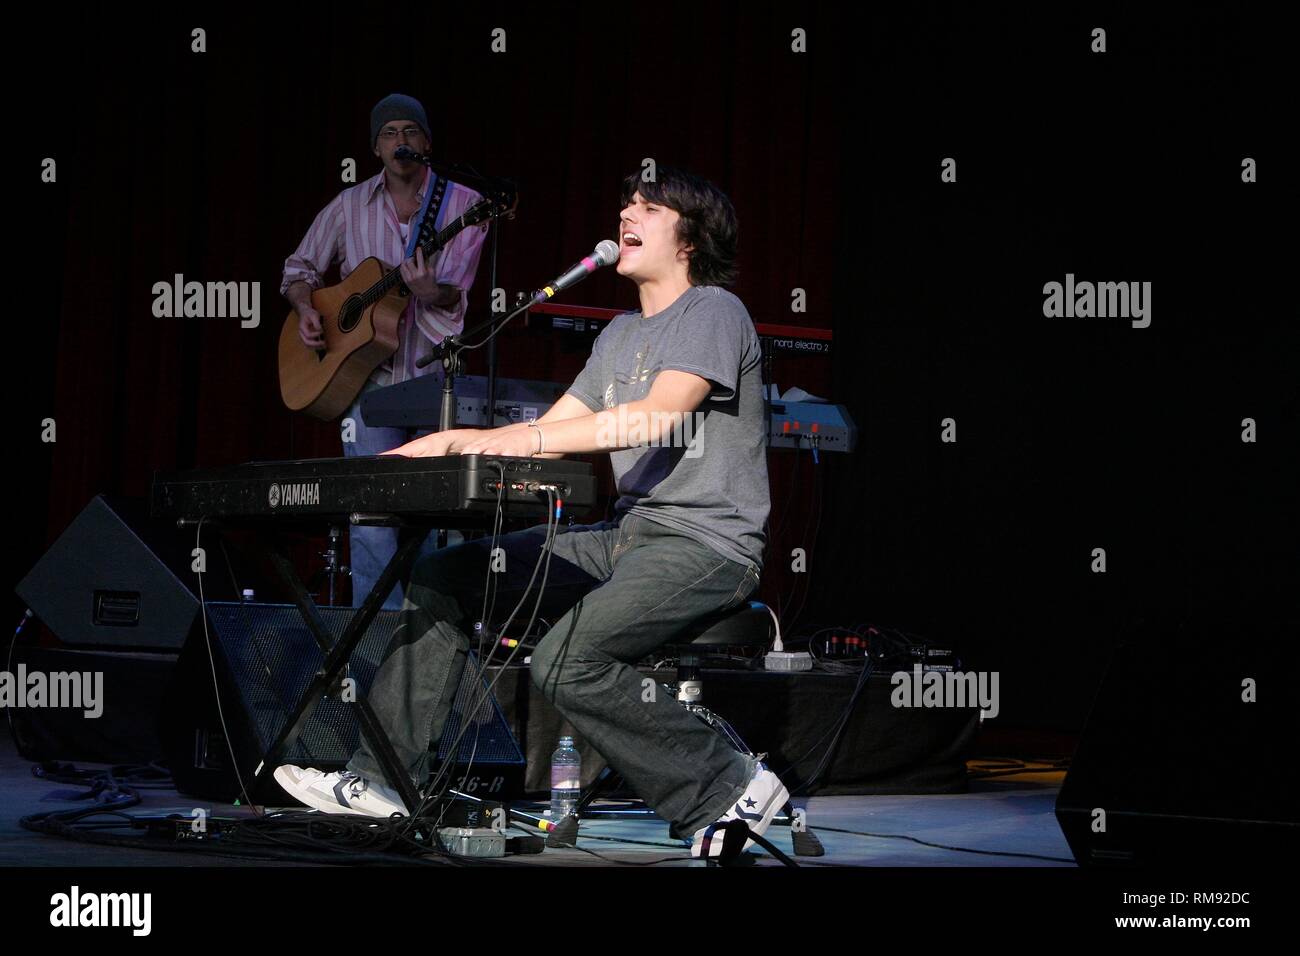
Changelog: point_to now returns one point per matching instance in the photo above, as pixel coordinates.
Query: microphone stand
(492, 342)
(450, 348)
(455, 173)
(449, 351)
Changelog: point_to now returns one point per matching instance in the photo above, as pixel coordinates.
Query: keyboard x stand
(411, 535)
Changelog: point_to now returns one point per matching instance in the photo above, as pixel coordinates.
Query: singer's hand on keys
(419, 277)
(514, 441)
(439, 443)
(309, 329)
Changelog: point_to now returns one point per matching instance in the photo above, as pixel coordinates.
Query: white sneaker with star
(341, 792)
(760, 802)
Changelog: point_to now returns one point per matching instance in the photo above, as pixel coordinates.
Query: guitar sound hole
(350, 314)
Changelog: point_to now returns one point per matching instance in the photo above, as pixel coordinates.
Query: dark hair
(707, 220)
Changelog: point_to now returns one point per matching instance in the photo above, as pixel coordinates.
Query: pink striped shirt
(361, 222)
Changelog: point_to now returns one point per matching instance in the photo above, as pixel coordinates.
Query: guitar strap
(436, 196)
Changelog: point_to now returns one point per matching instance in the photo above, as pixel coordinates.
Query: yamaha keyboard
(457, 490)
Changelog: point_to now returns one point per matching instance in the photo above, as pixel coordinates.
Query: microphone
(405, 152)
(605, 254)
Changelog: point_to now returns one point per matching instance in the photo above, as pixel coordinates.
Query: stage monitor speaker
(121, 727)
(1182, 760)
(117, 579)
(264, 658)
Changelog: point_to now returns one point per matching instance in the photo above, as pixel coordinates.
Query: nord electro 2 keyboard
(590, 319)
(453, 490)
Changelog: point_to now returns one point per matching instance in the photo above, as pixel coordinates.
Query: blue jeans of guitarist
(617, 591)
(371, 548)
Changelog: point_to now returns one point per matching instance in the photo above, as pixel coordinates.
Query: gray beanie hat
(397, 106)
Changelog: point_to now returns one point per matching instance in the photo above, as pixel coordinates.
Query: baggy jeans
(621, 589)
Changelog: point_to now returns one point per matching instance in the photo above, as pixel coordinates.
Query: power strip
(473, 841)
(788, 661)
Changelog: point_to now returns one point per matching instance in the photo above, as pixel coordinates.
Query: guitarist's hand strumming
(310, 329)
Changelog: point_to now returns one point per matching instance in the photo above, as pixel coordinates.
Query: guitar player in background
(381, 217)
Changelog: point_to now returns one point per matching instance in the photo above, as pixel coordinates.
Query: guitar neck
(431, 247)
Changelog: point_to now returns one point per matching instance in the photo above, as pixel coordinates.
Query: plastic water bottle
(566, 779)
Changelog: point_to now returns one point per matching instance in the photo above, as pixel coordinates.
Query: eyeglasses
(410, 132)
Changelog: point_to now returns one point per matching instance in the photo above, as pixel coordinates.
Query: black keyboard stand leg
(604, 780)
(336, 658)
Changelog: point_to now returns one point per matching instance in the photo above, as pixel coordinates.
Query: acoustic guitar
(359, 318)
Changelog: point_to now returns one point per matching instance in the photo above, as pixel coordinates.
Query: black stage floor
(1002, 815)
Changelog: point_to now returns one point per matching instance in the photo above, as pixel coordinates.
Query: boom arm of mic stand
(449, 350)
(482, 183)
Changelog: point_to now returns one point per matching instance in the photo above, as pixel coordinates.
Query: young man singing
(686, 540)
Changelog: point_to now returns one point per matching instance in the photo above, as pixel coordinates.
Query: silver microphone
(605, 254)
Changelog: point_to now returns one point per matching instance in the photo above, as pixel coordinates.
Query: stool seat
(748, 625)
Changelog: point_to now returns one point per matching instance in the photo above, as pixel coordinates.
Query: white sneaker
(760, 802)
(343, 792)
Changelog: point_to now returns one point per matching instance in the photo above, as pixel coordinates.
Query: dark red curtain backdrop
(212, 165)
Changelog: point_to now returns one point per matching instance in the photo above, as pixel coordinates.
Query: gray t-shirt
(708, 476)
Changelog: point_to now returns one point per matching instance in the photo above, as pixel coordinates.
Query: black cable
(496, 327)
(9, 666)
(795, 472)
(770, 848)
(944, 846)
(216, 687)
(469, 766)
(255, 838)
(848, 665)
(437, 788)
(454, 750)
(548, 550)
(787, 621)
(343, 834)
(552, 525)
(134, 776)
(490, 582)
(864, 668)
(876, 636)
(484, 627)
(838, 728)
(610, 839)
(601, 856)
(819, 491)
(760, 840)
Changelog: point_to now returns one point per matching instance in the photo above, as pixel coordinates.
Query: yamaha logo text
(289, 496)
